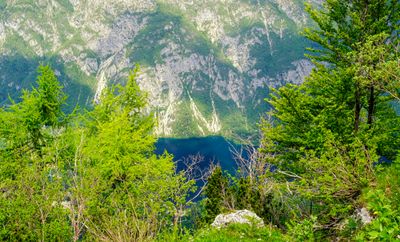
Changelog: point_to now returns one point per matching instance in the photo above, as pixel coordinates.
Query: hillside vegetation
(327, 169)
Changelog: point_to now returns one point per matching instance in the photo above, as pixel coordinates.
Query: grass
(234, 232)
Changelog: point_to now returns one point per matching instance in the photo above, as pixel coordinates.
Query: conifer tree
(131, 191)
(216, 193)
(30, 183)
(95, 177)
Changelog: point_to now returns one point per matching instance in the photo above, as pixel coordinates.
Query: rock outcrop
(363, 215)
(207, 65)
(240, 217)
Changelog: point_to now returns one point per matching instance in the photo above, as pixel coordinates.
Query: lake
(214, 149)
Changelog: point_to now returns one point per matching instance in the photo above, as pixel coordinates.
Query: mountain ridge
(206, 66)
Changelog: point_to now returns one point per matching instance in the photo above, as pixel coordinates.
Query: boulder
(363, 215)
(240, 217)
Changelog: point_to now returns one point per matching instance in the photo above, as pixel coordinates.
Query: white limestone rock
(240, 217)
(210, 52)
(363, 215)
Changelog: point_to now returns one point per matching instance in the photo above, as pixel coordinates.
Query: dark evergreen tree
(216, 193)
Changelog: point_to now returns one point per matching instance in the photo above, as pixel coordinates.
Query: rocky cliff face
(206, 64)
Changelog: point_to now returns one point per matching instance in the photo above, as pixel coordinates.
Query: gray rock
(240, 217)
(363, 215)
(203, 50)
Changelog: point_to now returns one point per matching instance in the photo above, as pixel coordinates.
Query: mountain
(206, 64)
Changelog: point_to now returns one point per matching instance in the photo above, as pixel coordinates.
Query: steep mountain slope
(207, 64)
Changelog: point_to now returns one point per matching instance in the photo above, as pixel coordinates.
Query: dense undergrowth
(329, 148)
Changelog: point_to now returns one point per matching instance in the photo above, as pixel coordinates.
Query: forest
(329, 149)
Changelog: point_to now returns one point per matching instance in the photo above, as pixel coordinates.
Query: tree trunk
(357, 108)
(371, 105)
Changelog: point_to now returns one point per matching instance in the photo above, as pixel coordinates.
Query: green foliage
(248, 194)
(342, 25)
(238, 232)
(217, 194)
(96, 177)
(49, 95)
(341, 172)
(26, 123)
(382, 199)
(325, 135)
(135, 192)
(385, 226)
(234, 232)
(20, 71)
(257, 193)
(30, 183)
(303, 230)
(91, 177)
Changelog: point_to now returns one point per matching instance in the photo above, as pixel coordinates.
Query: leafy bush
(383, 201)
(303, 230)
(233, 232)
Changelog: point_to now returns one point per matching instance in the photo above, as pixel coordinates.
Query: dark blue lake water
(214, 149)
